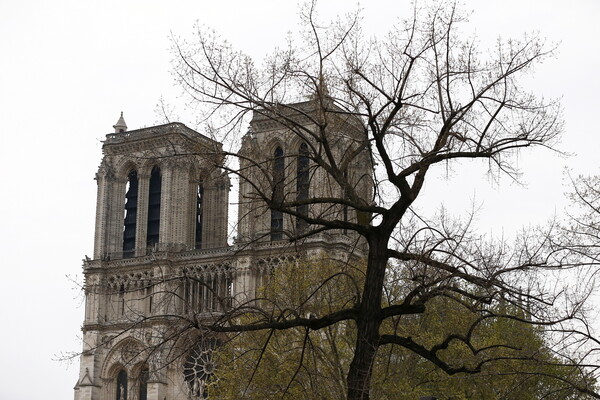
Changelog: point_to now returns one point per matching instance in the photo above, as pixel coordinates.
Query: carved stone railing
(165, 251)
(178, 252)
(316, 238)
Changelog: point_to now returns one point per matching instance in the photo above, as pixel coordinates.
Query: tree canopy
(300, 363)
(434, 298)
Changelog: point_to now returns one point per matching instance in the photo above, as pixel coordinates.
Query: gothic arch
(273, 144)
(113, 370)
(139, 377)
(124, 355)
(302, 149)
(125, 167)
(147, 166)
(296, 141)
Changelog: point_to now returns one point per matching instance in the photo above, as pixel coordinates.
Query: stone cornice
(156, 137)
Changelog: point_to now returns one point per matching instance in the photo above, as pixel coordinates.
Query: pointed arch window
(143, 384)
(277, 199)
(152, 233)
(199, 209)
(129, 225)
(121, 385)
(302, 185)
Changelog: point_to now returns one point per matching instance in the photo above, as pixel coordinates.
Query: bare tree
(380, 116)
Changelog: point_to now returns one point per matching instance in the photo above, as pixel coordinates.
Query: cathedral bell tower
(159, 188)
(161, 211)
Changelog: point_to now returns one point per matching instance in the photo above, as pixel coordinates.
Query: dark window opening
(199, 200)
(129, 228)
(277, 199)
(144, 376)
(302, 185)
(122, 385)
(152, 234)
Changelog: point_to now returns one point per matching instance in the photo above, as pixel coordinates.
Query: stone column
(179, 205)
(214, 217)
(101, 214)
(192, 212)
(115, 209)
(166, 218)
(141, 224)
(243, 289)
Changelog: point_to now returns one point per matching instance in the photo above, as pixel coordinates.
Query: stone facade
(161, 256)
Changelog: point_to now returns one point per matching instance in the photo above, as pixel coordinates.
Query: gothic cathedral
(162, 259)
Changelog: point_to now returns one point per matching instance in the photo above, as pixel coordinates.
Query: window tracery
(199, 367)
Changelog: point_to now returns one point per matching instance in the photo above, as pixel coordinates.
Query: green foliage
(515, 363)
(302, 364)
(294, 363)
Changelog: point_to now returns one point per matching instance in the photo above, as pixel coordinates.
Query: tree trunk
(359, 373)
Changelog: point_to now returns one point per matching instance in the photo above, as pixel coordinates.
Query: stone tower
(161, 259)
(161, 213)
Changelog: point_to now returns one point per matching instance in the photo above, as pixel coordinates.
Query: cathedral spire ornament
(120, 126)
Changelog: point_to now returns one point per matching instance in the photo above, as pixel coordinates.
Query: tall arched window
(199, 201)
(302, 184)
(143, 384)
(121, 385)
(153, 207)
(129, 225)
(278, 183)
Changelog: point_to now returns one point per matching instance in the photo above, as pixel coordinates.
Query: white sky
(67, 68)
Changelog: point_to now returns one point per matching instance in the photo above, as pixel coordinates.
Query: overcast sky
(68, 68)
